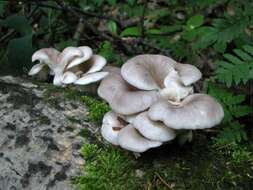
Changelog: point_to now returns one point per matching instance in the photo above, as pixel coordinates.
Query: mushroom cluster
(76, 65)
(152, 100)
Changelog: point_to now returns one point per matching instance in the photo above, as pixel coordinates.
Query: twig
(163, 181)
(79, 30)
(142, 27)
(76, 9)
(9, 34)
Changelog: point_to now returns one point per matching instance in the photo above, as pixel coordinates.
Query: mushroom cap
(147, 71)
(153, 130)
(91, 78)
(97, 62)
(69, 77)
(86, 54)
(47, 56)
(36, 68)
(111, 127)
(189, 74)
(66, 57)
(130, 139)
(122, 97)
(196, 111)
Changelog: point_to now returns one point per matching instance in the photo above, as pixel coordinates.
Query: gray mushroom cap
(122, 97)
(153, 130)
(130, 139)
(148, 71)
(196, 111)
(189, 74)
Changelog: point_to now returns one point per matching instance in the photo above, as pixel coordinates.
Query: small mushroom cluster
(76, 65)
(152, 100)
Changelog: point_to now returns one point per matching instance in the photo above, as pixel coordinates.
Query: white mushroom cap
(69, 77)
(147, 71)
(129, 118)
(153, 130)
(196, 111)
(36, 68)
(86, 54)
(189, 74)
(46, 56)
(130, 139)
(67, 55)
(91, 78)
(97, 62)
(111, 127)
(63, 59)
(122, 97)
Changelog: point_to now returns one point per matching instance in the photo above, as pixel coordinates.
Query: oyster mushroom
(111, 126)
(161, 73)
(122, 97)
(73, 65)
(153, 130)
(196, 111)
(130, 139)
(46, 57)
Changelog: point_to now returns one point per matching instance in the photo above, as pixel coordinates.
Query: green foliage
(236, 68)
(2, 4)
(234, 109)
(238, 153)
(106, 50)
(131, 31)
(107, 169)
(97, 108)
(19, 50)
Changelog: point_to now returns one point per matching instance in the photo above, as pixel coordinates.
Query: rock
(39, 144)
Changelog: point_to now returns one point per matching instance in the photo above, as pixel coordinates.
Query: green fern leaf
(236, 68)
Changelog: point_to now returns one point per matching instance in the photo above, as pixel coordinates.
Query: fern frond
(233, 108)
(236, 68)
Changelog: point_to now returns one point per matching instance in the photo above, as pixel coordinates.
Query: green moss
(97, 108)
(107, 168)
(194, 166)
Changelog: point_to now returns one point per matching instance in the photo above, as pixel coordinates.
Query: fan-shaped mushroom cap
(86, 54)
(47, 56)
(122, 97)
(196, 111)
(97, 62)
(111, 127)
(67, 55)
(153, 130)
(63, 59)
(189, 74)
(148, 71)
(36, 68)
(130, 139)
(90, 78)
